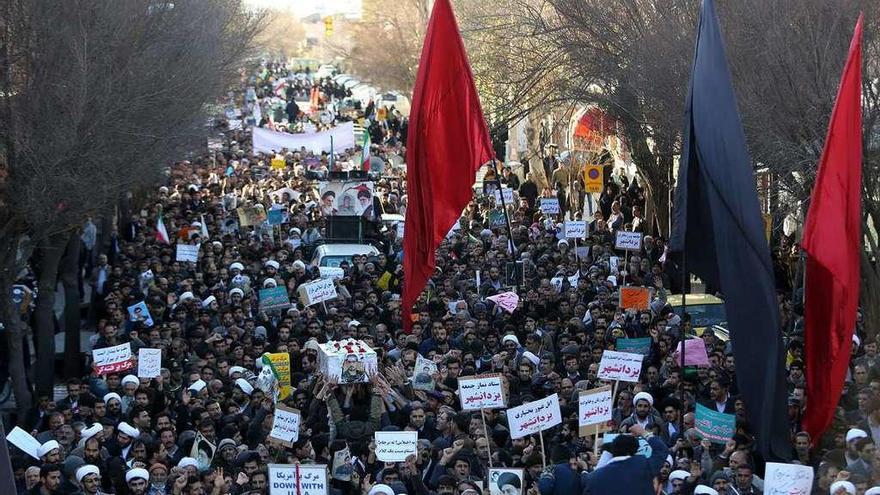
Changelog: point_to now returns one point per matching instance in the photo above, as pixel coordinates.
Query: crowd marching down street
(299, 310)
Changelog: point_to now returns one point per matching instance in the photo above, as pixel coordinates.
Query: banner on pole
(481, 392)
(622, 366)
(534, 417)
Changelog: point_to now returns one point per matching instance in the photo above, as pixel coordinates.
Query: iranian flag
(365, 153)
(161, 233)
(279, 87)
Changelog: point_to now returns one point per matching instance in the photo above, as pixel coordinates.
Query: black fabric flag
(717, 223)
(7, 474)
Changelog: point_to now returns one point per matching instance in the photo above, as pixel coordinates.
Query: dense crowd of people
(115, 433)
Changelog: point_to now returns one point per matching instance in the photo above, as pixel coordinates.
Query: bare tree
(387, 42)
(632, 59)
(518, 69)
(97, 98)
(282, 34)
(787, 58)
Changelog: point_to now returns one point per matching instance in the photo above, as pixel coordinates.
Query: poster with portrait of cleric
(505, 481)
(347, 198)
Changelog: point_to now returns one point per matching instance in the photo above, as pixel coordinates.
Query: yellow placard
(328, 26)
(281, 363)
(593, 178)
(278, 163)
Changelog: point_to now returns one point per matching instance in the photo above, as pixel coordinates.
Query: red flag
(447, 142)
(832, 240)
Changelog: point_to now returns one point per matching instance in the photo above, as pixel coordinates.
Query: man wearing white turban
(643, 414)
(89, 476)
(137, 481)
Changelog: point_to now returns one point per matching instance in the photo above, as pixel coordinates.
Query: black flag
(717, 222)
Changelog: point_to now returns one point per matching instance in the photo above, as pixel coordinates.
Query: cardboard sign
(694, 353)
(24, 441)
(202, 451)
(285, 425)
(714, 426)
(317, 291)
(149, 362)
(636, 346)
(638, 298)
(452, 306)
(594, 406)
(786, 479)
(278, 195)
(496, 219)
(342, 468)
(628, 241)
(512, 479)
(280, 364)
(298, 479)
(556, 282)
(534, 417)
(278, 163)
(550, 206)
(274, 298)
(622, 366)
(481, 392)
(112, 359)
(277, 216)
(396, 446)
(423, 373)
(508, 196)
(507, 301)
(251, 215)
(331, 272)
(187, 253)
(140, 313)
(576, 230)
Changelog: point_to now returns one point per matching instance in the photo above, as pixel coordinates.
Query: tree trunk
(70, 278)
(49, 256)
(15, 326)
(663, 224)
(105, 232)
(124, 212)
(870, 290)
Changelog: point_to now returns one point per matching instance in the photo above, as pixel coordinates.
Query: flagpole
(486, 431)
(684, 277)
(504, 208)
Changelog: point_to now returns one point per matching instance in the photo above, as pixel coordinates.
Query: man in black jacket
(719, 398)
